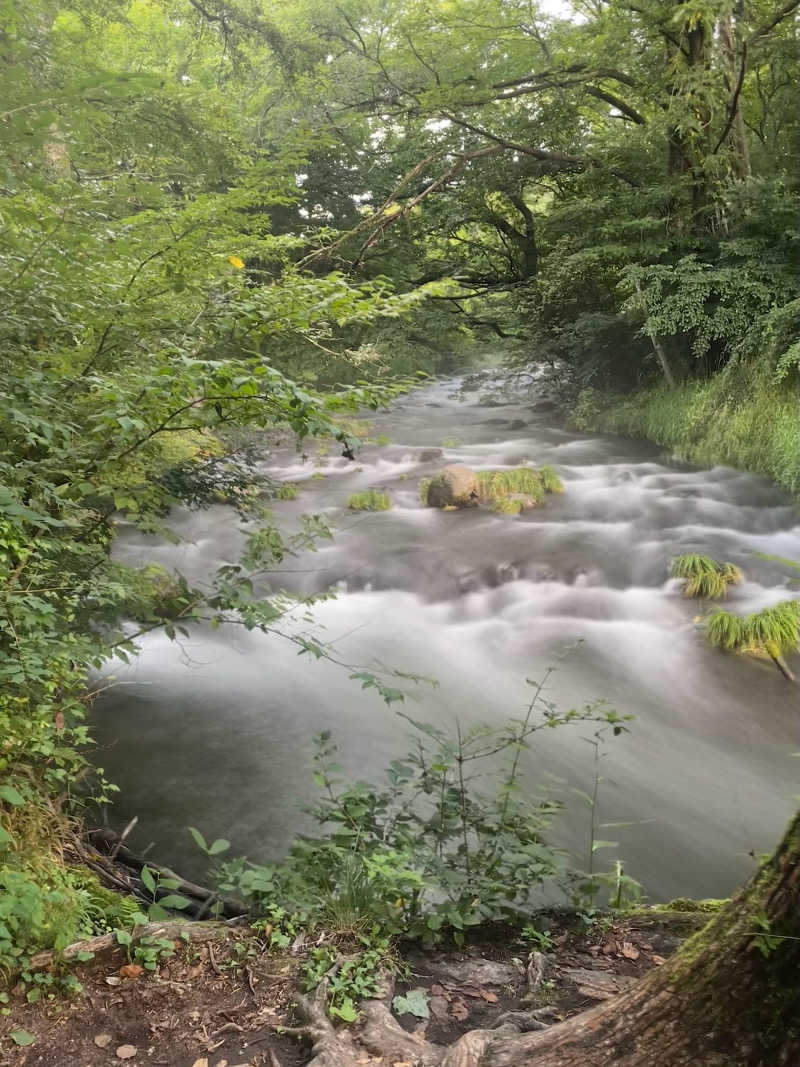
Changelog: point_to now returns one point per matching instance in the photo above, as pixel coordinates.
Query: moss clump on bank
(370, 500)
(684, 904)
(740, 418)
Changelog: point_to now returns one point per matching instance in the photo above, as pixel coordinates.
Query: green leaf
(11, 796)
(200, 841)
(174, 900)
(346, 1011)
(220, 845)
(415, 1002)
(22, 1038)
(604, 844)
(123, 937)
(148, 880)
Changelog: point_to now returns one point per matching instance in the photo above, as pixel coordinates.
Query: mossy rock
(453, 487)
(507, 492)
(371, 500)
(685, 904)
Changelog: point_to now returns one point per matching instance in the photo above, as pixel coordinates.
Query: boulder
(453, 487)
(428, 454)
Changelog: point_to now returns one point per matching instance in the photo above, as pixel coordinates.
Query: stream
(215, 732)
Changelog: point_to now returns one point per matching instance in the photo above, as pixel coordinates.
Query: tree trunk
(729, 998)
(734, 73)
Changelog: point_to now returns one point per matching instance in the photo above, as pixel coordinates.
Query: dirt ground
(221, 1004)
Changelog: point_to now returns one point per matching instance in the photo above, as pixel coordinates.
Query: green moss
(424, 486)
(685, 904)
(507, 506)
(287, 491)
(370, 500)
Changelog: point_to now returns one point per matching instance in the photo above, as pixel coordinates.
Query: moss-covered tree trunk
(729, 998)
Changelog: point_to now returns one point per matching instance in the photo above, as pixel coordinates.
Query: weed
(429, 853)
(772, 632)
(369, 500)
(704, 576)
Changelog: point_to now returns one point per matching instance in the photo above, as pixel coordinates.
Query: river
(215, 732)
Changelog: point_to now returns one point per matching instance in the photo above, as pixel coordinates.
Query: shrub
(430, 851)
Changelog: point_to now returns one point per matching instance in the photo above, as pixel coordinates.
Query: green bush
(430, 852)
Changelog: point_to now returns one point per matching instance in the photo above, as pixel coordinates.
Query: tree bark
(735, 130)
(729, 998)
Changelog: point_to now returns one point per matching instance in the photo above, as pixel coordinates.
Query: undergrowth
(449, 841)
(739, 418)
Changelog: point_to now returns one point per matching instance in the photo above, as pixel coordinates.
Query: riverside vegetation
(224, 221)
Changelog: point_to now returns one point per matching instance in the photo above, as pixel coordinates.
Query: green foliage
(369, 500)
(772, 631)
(496, 487)
(737, 418)
(348, 980)
(704, 576)
(428, 854)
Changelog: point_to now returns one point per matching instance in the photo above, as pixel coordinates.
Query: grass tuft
(740, 418)
(772, 632)
(370, 500)
(704, 576)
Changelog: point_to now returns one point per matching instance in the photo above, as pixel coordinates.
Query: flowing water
(215, 732)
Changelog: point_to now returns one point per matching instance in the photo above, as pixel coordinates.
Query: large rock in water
(453, 487)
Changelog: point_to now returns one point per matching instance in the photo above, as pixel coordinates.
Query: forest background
(226, 217)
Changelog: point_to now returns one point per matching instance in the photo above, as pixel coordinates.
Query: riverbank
(747, 422)
(224, 996)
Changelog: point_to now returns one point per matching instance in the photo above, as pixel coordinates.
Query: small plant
(450, 442)
(429, 853)
(348, 979)
(369, 500)
(539, 939)
(286, 491)
(772, 632)
(705, 577)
